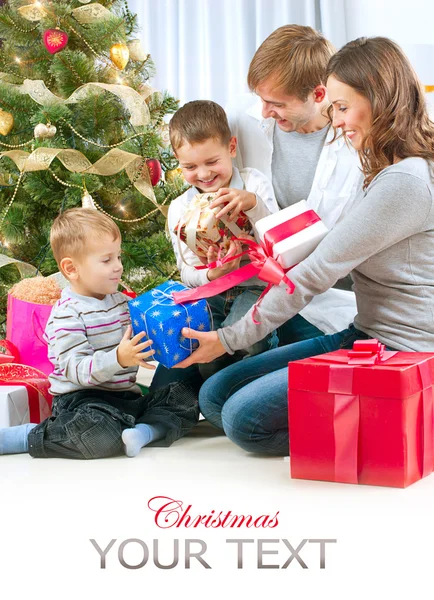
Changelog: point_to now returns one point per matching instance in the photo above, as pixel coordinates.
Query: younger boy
(97, 404)
(202, 142)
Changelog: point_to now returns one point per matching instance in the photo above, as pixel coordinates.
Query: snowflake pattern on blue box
(156, 313)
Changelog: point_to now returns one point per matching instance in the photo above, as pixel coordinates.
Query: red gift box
(362, 416)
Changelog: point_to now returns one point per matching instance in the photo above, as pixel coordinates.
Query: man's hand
(130, 352)
(237, 200)
(210, 347)
(212, 255)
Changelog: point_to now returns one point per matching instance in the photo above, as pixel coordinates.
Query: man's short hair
(73, 228)
(197, 122)
(295, 57)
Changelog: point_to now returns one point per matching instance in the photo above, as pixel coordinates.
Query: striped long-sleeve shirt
(83, 334)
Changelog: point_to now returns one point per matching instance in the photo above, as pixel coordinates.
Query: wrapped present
(199, 228)
(24, 395)
(287, 237)
(362, 416)
(156, 313)
(291, 234)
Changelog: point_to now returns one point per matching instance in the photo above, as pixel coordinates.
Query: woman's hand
(210, 347)
(237, 200)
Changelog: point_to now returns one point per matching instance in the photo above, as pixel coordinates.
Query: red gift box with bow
(362, 416)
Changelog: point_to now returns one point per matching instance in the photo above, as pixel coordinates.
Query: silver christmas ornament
(87, 201)
(43, 131)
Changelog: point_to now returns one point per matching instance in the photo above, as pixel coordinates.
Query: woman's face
(352, 112)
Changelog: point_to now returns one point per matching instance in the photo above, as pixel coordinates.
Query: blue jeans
(296, 330)
(249, 400)
(229, 307)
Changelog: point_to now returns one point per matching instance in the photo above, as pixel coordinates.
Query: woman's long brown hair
(378, 69)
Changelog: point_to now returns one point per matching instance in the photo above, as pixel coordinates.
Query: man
(284, 131)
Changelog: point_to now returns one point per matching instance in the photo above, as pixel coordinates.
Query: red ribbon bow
(368, 352)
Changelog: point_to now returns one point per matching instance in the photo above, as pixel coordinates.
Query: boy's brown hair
(72, 229)
(197, 122)
(295, 57)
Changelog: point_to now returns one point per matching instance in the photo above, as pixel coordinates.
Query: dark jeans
(88, 423)
(297, 329)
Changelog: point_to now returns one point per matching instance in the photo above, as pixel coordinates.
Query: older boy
(202, 142)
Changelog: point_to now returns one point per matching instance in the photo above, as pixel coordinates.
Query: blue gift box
(156, 313)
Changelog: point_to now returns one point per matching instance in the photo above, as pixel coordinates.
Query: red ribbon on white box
(263, 265)
(35, 383)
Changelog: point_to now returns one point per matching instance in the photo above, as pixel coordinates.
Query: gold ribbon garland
(75, 161)
(24, 269)
(134, 102)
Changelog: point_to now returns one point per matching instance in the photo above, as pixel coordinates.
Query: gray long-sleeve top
(386, 241)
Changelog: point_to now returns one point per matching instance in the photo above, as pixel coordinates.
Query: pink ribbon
(262, 265)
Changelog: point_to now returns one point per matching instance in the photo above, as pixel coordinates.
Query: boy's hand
(234, 248)
(130, 352)
(237, 200)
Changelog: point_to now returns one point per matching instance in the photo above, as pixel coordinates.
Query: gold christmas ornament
(170, 175)
(119, 55)
(6, 122)
(42, 131)
(91, 14)
(32, 12)
(164, 136)
(87, 201)
(137, 51)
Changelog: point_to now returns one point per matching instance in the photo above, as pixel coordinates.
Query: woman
(386, 241)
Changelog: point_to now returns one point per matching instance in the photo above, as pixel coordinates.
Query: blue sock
(141, 435)
(13, 440)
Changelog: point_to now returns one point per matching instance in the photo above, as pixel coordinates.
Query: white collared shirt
(251, 180)
(337, 180)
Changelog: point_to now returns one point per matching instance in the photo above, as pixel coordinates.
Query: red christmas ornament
(55, 40)
(154, 169)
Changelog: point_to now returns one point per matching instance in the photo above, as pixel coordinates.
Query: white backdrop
(202, 48)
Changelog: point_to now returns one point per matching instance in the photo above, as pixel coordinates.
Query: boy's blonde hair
(72, 229)
(295, 57)
(197, 122)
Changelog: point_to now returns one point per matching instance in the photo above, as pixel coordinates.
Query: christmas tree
(81, 126)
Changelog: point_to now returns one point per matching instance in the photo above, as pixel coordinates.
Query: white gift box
(297, 246)
(14, 406)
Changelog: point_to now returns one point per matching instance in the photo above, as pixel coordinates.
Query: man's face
(290, 113)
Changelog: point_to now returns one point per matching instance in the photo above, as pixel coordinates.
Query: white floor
(50, 510)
